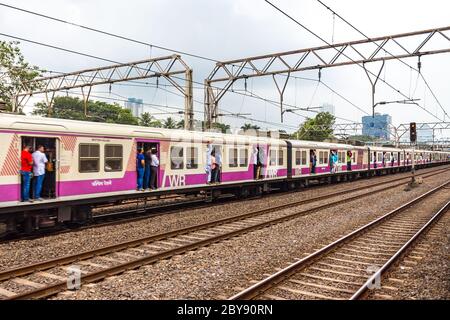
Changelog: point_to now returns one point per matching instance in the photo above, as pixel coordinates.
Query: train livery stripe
(12, 161)
(131, 166)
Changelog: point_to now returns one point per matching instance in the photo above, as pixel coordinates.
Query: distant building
(136, 106)
(326, 107)
(424, 133)
(377, 126)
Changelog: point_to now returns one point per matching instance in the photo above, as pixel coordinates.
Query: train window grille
(176, 158)
(323, 157)
(89, 158)
(243, 158)
(341, 156)
(233, 157)
(280, 157)
(304, 157)
(273, 157)
(191, 158)
(353, 156)
(113, 157)
(298, 157)
(379, 157)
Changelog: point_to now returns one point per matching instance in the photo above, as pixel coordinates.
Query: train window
(176, 158)
(304, 157)
(323, 157)
(298, 157)
(280, 157)
(379, 157)
(233, 157)
(354, 156)
(341, 156)
(401, 156)
(243, 158)
(273, 157)
(191, 158)
(113, 157)
(89, 157)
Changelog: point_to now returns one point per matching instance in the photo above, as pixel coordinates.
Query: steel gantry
(341, 54)
(168, 67)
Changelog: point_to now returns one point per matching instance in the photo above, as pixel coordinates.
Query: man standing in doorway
(140, 165)
(154, 170)
(25, 171)
(39, 161)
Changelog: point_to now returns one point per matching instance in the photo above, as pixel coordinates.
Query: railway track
(136, 211)
(355, 263)
(47, 278)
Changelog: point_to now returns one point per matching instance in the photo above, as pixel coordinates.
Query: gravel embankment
(216, 271)
(22, 252)
(424, 272)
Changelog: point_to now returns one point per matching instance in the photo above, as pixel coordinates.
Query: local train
(96, 163)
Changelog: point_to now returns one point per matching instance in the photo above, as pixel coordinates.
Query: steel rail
(401, 251)
(24, 270)
(271, 281)
(114, 270)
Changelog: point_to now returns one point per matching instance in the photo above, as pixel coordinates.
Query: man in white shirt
(154, 170)
(39, 161)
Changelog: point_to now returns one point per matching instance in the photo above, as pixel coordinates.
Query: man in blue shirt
(140, 165)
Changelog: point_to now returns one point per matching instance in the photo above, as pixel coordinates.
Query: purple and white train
(96, 163)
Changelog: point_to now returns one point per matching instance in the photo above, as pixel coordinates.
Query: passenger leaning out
(214, 168)
(312, 161)
(39, 161)
(140, 165)
(25, 171)
(147, 170)
(349, 160)
(154, 170)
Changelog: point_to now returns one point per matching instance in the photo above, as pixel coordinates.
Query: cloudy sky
(231, 29)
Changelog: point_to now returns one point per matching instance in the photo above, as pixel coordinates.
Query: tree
(147, 120)
(14, 71)
(318, 128)
(97, 111)
(221, 126)
(180, 124)
(249, 126)
(170, 123)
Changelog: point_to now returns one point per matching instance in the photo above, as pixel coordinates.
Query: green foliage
(318, 128)
(170, 123)
(249, 126)
(361, 138)
(14, 72)
(97, 111)
(221, 126)
(147, 120)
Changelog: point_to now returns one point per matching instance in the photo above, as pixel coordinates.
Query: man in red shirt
(25, 171)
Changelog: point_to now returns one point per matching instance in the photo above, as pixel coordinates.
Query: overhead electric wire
(345, 55)
(124, 37)
(386, 51)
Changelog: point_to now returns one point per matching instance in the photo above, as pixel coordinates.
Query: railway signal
(412, 132)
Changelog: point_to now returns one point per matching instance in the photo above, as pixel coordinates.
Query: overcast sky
(230, 29)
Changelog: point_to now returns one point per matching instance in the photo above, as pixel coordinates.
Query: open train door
(50, 185)
(149, 145)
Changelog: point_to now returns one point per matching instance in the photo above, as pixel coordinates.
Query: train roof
(54, 125)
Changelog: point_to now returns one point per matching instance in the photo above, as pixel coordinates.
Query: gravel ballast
(216, 271)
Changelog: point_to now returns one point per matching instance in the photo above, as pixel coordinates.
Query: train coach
(95, 163)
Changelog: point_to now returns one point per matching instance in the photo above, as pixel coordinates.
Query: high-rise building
(377, 126)
(136, 106)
